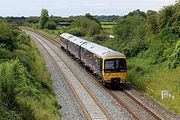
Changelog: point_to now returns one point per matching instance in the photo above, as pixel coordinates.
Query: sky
(67, 8)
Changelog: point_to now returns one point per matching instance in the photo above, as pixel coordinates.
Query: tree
(151, 12)
(152, 24)
(89, 16)
(50, 25)
(88, 26)
(43, 18)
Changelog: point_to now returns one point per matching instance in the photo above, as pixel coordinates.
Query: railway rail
(88, 102)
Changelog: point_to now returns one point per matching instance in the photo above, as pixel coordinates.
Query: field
(107, 25)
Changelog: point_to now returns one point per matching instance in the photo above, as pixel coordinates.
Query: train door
(79, 52)
(67, 44)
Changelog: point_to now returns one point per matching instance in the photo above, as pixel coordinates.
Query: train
(108, 64)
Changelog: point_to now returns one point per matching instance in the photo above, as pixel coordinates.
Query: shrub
(77, 31)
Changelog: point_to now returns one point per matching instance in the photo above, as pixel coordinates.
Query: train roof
(99, 50)
(73, 39)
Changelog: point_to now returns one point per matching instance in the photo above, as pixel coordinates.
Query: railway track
(88, 102)
(116, 95)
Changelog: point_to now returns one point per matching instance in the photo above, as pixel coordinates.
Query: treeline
(154, 35)
(25, 86)
(107, 18)
(57, 19)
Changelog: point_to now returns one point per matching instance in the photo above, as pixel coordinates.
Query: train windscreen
(115, 65)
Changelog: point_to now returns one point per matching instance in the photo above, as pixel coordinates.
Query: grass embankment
(153, 79)
(25, 85)
(51, 33)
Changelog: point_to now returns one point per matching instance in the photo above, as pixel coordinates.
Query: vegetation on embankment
(25, 85)
(152, 43)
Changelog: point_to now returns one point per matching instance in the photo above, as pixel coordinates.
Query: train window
(115, 65)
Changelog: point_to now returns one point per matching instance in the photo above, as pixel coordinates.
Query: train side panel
(98, 65)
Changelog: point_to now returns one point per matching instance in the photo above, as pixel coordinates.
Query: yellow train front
(114, 70)
(106, 63)
(110, 65)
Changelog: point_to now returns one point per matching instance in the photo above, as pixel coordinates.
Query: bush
(6, 54)
(8, 34)
(77, 31)
(174, 59)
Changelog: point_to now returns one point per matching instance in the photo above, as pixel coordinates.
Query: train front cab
(114, 70)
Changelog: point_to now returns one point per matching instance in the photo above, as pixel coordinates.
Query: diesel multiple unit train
(106, 63)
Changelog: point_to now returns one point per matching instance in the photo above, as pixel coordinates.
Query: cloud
(74, 7)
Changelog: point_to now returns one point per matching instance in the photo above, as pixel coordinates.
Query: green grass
(108, 23)
(154, 78)
(46, 107)
(107, 26)
(51, 33)
(6, 114)
(165, 79)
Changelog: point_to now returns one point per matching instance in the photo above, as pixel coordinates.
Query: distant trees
(88, 15)
(108, 18)
(32, 19)
(85, 27)
(43, 18)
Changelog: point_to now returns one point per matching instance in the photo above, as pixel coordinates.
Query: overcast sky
(78, 7)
